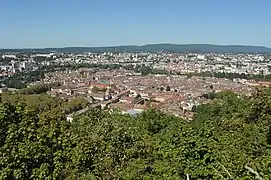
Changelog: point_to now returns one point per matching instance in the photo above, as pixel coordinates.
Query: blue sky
(59, 23)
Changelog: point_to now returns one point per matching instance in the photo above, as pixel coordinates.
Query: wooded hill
(181, 48)
(229, 138)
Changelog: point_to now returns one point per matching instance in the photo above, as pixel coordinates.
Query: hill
(229, 138)
(198, 48)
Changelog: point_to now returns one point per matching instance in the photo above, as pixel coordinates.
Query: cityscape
(135, 90)
(174, 83)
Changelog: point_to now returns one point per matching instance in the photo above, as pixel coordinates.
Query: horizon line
(108, 46)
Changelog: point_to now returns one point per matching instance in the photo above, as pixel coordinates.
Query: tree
(194, 108)
(211, 86)
(24, 133)
(14, 83)
(168, 88)
(145, 70)
(211, 95)
(227, 139)
(95, 89)
(38, 89)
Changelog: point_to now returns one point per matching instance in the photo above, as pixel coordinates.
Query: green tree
(95, 89)
(38, 89)
(227, 139)
(34, 147)
(194, 108)
(145, 70)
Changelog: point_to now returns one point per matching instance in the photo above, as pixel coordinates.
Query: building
(45, 55)
(13, 56)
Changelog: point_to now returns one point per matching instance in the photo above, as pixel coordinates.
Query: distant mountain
(200, 48)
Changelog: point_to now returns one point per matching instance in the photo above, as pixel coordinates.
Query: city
(135, 90)
(251, 64)
(136, 86)
(174, 83)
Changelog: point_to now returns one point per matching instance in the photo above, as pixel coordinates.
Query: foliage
(32, 147)
(38, 89)
(96, 89)
(45, 103)
(145, 70)
(14, 82)
(258, 77)
(210, 95)
(51, 68)
(225, 139)
(20, 80)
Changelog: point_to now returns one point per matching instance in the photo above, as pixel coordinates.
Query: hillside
(201, 48)
(227, 139)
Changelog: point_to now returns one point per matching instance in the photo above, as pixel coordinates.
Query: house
(56, 90)
(160, 98)
(144, 94)
(66, 90)
(80, 91)
(126, 100)
(45, 55)
(99, 85)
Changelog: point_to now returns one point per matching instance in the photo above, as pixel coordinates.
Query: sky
(66, 23)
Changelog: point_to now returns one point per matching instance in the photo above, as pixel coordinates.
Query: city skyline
(32, 24)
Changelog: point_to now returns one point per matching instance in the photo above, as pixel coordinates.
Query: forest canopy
(229, 138)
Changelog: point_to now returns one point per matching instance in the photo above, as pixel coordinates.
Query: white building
(25, 65)
(48, 55)
(201, 57)
(9, 56)
(6, 67)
